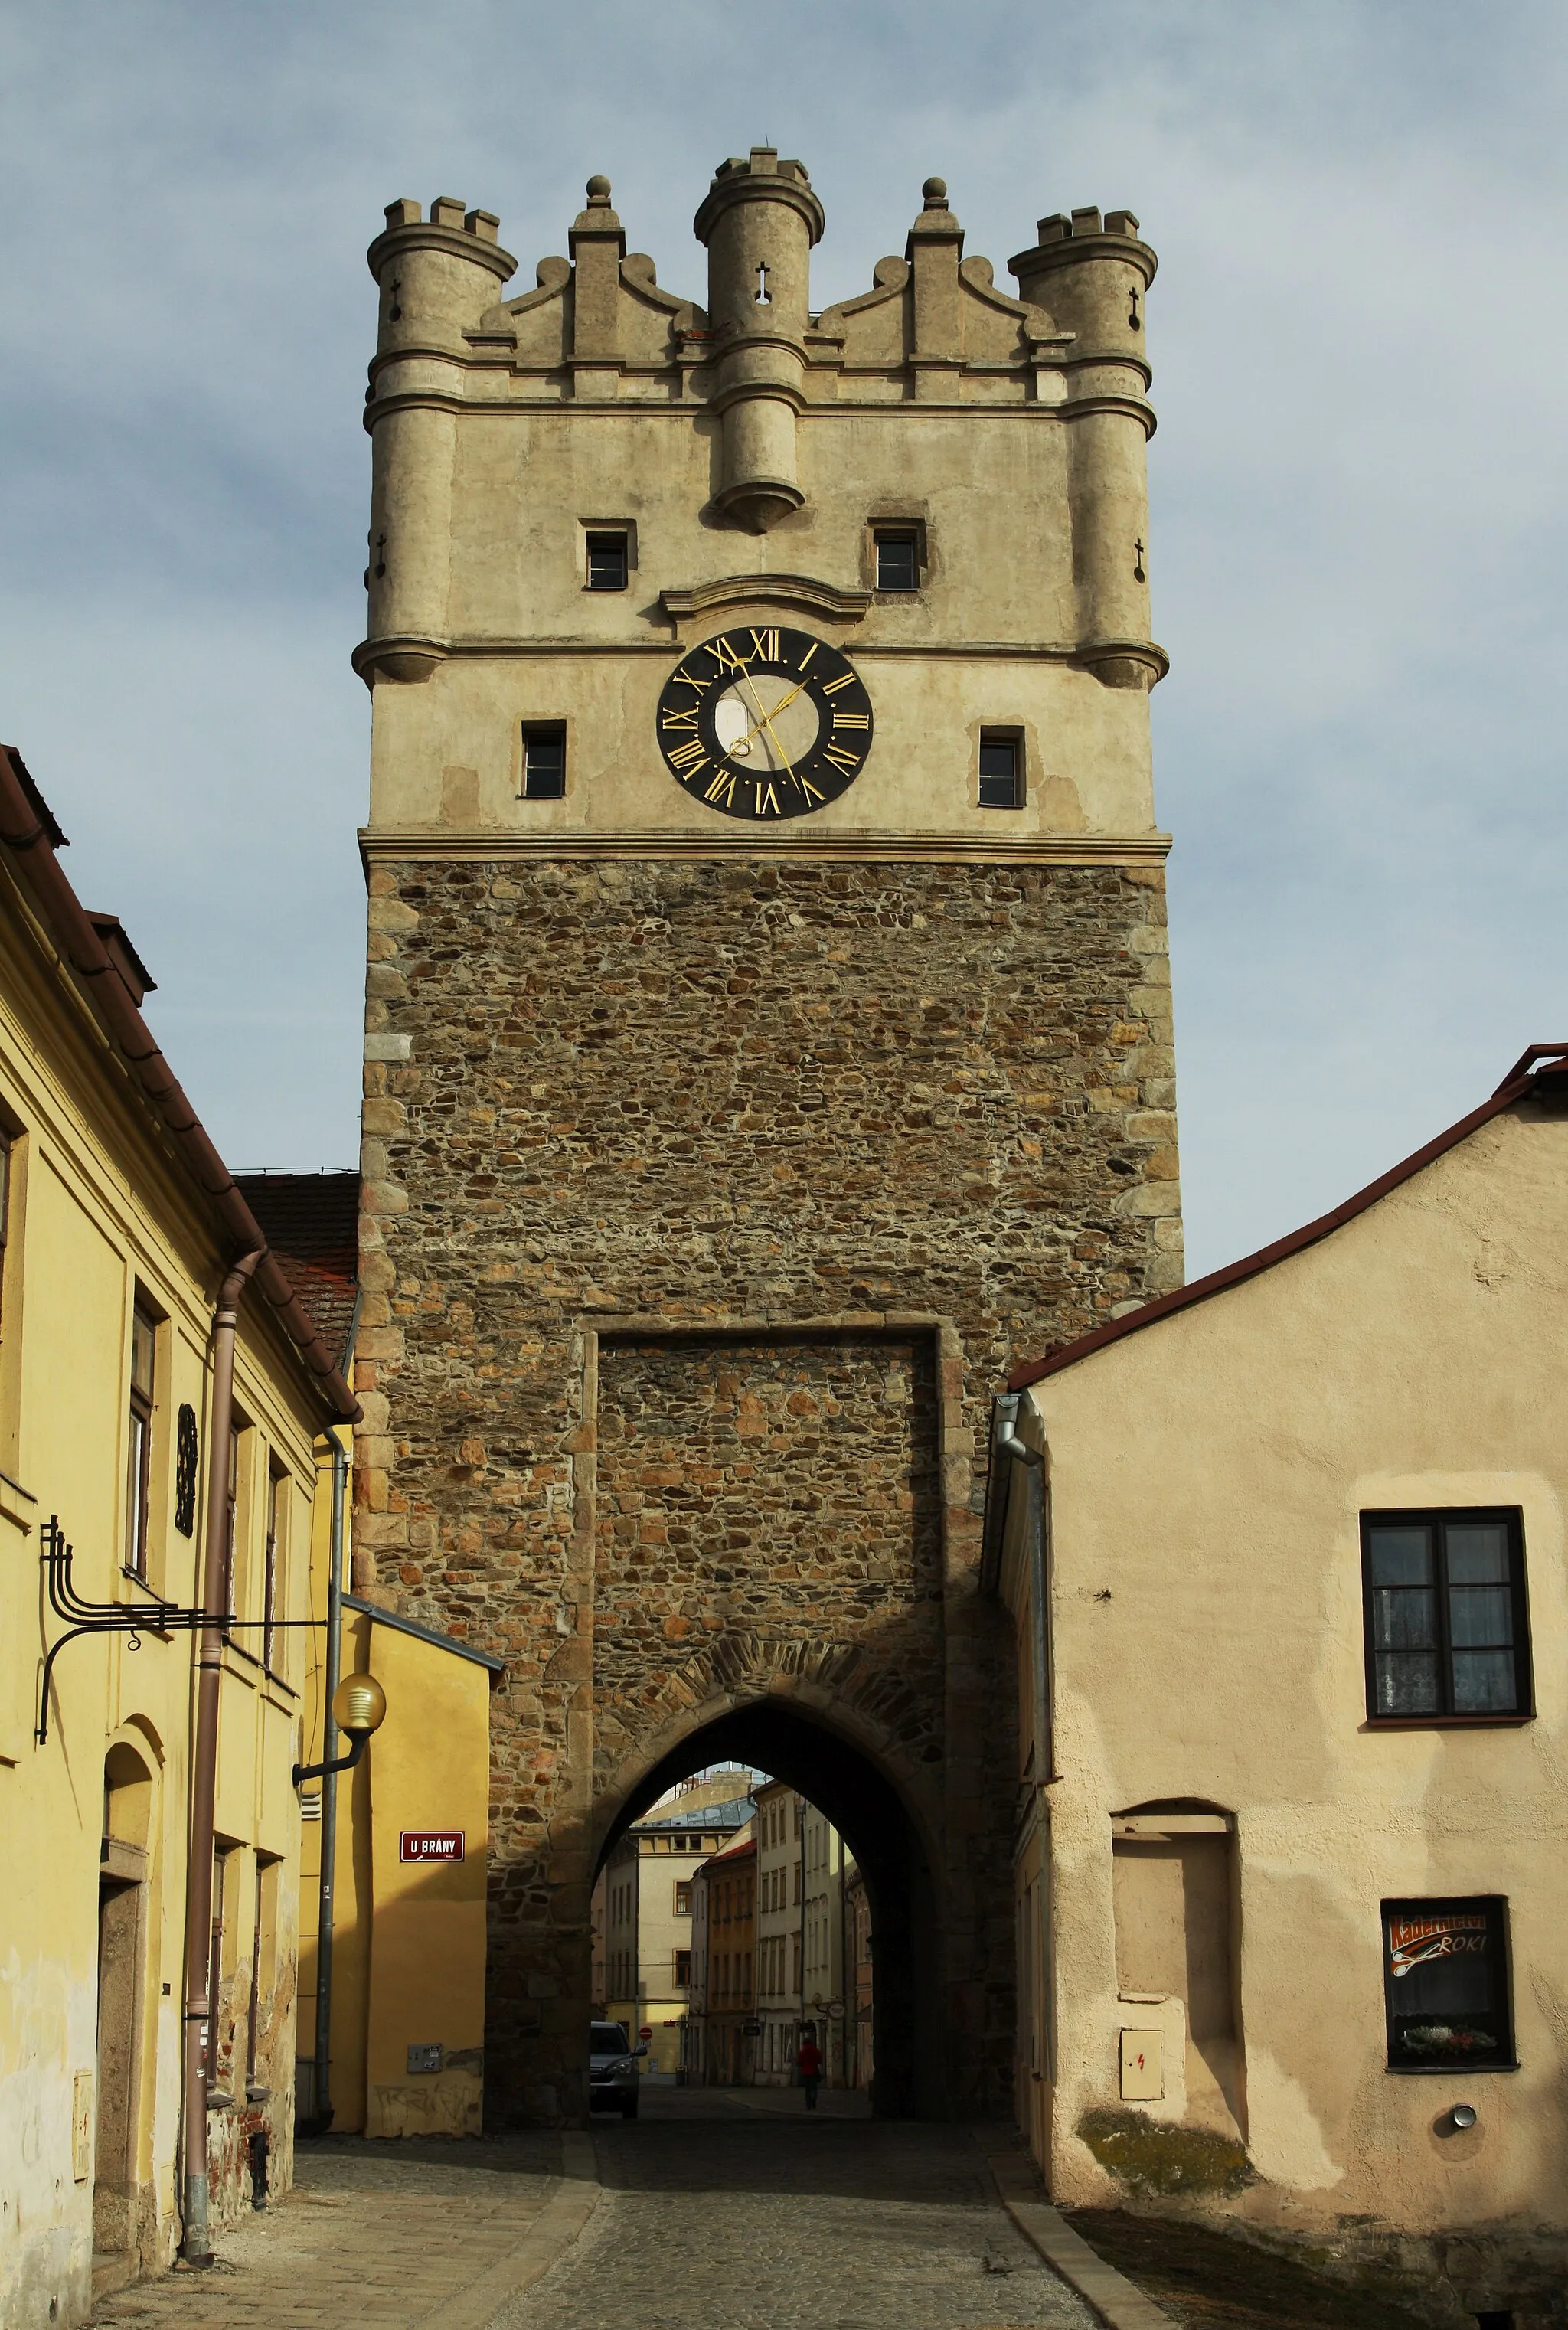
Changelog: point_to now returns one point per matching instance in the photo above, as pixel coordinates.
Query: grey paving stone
(739, 2211)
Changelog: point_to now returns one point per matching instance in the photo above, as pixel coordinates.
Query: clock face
(765, 724)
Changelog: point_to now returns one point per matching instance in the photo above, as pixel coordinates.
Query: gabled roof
(311, 1222)
(106, 976)
(746, 1846)
(1540, 1068)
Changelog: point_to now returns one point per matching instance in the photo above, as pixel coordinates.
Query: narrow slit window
(139, 1440)
(609, 563)
(1446, 1616)
(545, 762)
(1001, 771)
(898, 563)
(276, 1514)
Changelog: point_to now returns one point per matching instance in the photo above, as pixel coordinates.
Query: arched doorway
(843, 1782)
(124, 1861)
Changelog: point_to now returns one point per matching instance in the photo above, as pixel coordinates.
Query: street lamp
(358, 1707)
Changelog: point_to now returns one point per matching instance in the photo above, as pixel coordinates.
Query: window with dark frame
(1001, 769)
(4, 1201)
(1446, 1616)
(276, 1491)
(609, 562)
(682, 1969)
(683, 1897)
(230, 1522)
(544, 760)
(139, 1440)
(898, 559)
(1445, 1990)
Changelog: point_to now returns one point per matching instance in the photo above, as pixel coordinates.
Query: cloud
(1358, 487)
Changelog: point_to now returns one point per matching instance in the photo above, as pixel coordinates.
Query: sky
(1358, 489)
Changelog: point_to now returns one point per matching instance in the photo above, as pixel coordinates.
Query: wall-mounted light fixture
(358, 1707)
(1461, 2115)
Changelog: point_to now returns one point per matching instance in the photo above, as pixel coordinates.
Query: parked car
(612, 2073)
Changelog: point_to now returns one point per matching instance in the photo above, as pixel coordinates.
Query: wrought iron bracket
(128, 1618)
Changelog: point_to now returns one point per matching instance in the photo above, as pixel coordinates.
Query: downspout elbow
(1007, 1443)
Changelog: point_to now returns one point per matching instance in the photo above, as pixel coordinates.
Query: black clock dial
(764, 724)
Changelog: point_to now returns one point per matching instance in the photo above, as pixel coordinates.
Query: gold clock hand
(783, 705)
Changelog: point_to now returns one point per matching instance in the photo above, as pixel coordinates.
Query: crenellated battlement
(736, 405)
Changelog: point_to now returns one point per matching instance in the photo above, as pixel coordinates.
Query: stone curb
(560, 2222)
(1117, 2302)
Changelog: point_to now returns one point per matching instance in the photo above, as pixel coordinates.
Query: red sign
(1413, 1941)
(431, 1845)
(646, 2031)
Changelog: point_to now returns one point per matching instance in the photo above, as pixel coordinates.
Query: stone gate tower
(767, 1028)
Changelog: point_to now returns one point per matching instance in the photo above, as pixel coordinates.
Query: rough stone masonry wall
(711, 1092)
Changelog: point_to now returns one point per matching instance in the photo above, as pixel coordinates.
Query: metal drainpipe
(800, 2015)
(843, 1972)
(200, 2006)
(321, 2112)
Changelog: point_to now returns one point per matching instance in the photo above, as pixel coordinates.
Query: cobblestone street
(736, 2210)
(391, 2234)
(718, 2210)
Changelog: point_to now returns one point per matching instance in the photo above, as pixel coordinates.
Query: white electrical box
(1142, 2066)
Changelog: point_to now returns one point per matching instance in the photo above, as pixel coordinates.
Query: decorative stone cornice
(494, 844)
(801, 591)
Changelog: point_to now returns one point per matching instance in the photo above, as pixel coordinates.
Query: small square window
(544, 760)
(1445, 1972)
(897, 562)
(1446, 1616)
(1001, 771)
(609, 563)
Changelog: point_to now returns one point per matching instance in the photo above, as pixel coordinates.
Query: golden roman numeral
(724, 656)
(691, 680)
(840, 758)
(689, 720)
(848, 719)
(685, 754)
(766, 802)
(808, 787)
(810, 652)
(832, 686)
(720, 785)
(766, 646)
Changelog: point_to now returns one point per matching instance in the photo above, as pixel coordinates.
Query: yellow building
(163, 1401)
(391, 2042)
(1286, 1554)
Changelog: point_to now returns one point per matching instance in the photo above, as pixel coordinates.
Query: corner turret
(437, 277)
(759, 222)
(1093, 277)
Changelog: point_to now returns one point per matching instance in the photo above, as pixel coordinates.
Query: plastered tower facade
(768, 1027)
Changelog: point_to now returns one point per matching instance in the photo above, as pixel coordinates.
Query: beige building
(826, 1992)
(1285, 1552)
(779, 1810)
(646, 1892)
(166, 1419)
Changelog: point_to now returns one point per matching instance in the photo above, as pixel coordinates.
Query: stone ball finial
(935, 191)
(597, 188)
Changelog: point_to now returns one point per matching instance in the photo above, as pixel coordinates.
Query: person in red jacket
(808, 2063)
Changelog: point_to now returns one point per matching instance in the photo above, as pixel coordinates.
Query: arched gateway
(767, 1029)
